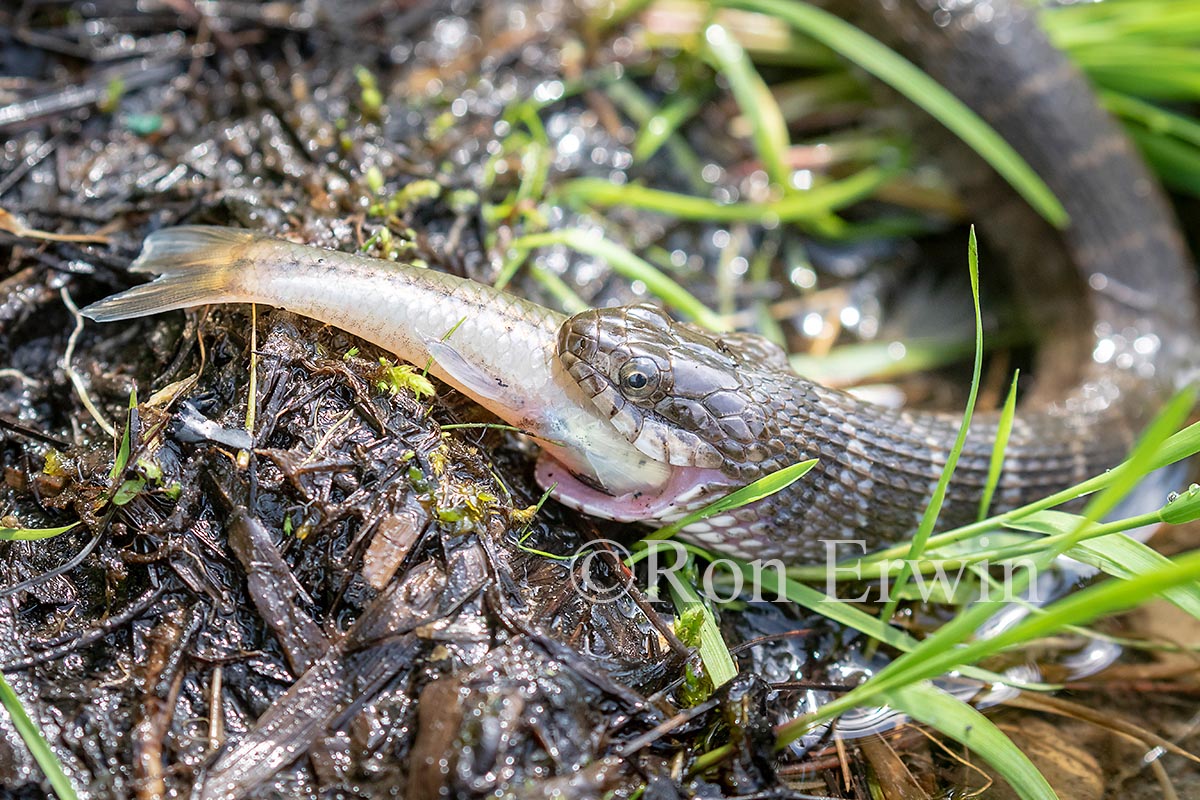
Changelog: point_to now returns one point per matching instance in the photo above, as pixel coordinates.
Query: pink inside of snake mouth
(686, 489)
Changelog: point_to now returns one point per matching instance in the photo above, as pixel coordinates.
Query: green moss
(395, 378)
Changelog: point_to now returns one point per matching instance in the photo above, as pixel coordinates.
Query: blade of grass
(662, 125)
(846, 614)
(568, 300)
(945, 648)
(714, 653)
(1003, 430)
(902, 75)
(1123, 557)
(33, 534)
(796, 207)
(1151, 70)
(122, 459)
(629, 265)
(861, 570)
(750, 493)
(1154, 119)
(855, 363)
(932, 658)
(37, 744)
(768, 129)
(1184, 444)
(816, 94)
(1175, 161)
(934, 509)
(1137, 466)
(952, 717)
(658, 128)
(1115, 553)
(1158, 21)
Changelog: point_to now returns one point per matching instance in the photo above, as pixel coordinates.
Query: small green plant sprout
(112, 95)
(370, 97)
(130, 487)
(395, 378)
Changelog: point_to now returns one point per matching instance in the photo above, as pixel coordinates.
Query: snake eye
(639, 377)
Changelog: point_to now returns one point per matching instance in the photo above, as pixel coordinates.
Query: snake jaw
(687, 489)
(651, 436)
(596, 370)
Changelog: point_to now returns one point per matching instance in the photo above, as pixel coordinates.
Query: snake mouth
(685, 490)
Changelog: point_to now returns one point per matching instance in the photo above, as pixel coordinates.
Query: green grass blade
(560, 290)
(1151, 21)
(1094, 602)
(1115, 553)
(945, 651)
(795, 207)
(846, 614)
(1175, 161)
(37, 744)
(33, 534)
(1145, 69)
(768, 128)
(630, 266)
(854, 363)
(658, 123)
(1139, 464)
(1122, 557)
(661, 126)
(750, 493)
(714, 653)
(959, 721)
(1151, 117)
(122, 459)
(902, 75)
(1184, 444)
(934, 508)
(1003, 429)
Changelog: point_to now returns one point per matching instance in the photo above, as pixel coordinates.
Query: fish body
(495, 347)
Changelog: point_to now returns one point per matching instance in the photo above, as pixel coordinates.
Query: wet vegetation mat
(247, 555)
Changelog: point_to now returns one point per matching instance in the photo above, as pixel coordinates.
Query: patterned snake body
(729, 410)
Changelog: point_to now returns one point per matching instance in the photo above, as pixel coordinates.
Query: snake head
(678, 393)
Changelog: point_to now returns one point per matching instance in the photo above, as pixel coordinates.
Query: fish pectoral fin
(471, 378)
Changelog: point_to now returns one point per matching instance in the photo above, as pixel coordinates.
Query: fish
(492, 346)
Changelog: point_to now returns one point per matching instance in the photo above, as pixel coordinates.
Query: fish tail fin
(195, 264)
